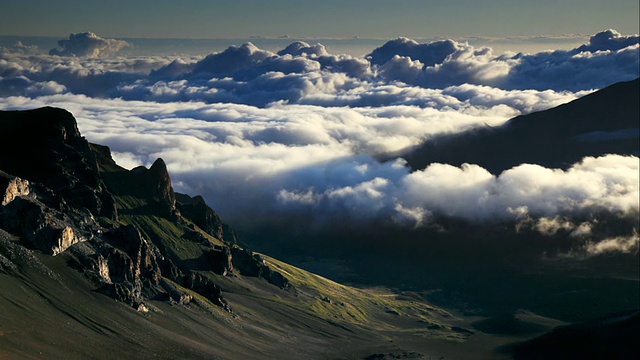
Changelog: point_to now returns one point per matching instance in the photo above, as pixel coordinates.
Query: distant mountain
(612, 337)
(77, 231)
(604, 122)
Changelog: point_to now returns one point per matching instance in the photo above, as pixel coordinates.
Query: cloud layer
(308, 74)
(268, 136)
(262, 165)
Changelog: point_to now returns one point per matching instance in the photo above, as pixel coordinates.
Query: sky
(322, 19)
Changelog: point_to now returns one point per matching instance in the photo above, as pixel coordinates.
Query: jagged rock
(123, 292)
(245, 262)
(250, 264)
(63, 238)
(126, 265)
(175, 294)
(47, 148)
(170, 270)
(152, 185)
(42, 227)
(12, 187)
(161, 185)
(133, 259)
(220, 260)
(101, 268)
(196, 210)
(229, 235)
(196, 237)
(14, 257)
(205, 287)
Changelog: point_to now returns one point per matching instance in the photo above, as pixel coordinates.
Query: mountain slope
(78, 231)
(603, 122)
(611, 337)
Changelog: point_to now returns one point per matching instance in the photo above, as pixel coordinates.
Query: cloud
(301, 48)
(619, 244)
(605, 246)
(428, 54)
(89, 76)
(267, 137)
(401, 72)
(88, 44)
(307, 74)
(20, 48)
(231, 60)
(609, 55)
(262, 165)
(608, 40)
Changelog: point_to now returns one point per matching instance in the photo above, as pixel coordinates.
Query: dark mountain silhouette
(604, 122)
(612, 337)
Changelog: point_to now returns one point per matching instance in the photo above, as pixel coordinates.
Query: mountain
(603, 122)
(611, 337)
(103, 262)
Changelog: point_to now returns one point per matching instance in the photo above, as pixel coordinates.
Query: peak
(46, 147)
(159, 166)
(50, 123)
(154, 184)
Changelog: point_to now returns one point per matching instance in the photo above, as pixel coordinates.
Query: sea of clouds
(267, 135)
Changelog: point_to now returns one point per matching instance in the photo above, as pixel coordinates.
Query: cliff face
(44, 146)
(196, 210)
(122, 229)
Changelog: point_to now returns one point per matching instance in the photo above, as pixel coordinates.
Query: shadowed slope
(604, 122)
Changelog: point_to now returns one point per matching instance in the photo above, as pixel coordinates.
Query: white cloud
(288, 157)
(618, 244)
(401, 72)
(88, 44)
(608, 56)
(609, 40)
(428, 54)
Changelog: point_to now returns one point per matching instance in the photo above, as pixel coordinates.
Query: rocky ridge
(125, 230)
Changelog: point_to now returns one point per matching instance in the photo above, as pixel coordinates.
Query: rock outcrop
(250, 264)
(197, 210)
(43, 227)
(153, 185)
(127, 265)
(12, 187)
(47, 148)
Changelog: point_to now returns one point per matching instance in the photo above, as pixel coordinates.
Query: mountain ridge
(599, 123)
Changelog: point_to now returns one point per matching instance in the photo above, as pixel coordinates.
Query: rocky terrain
(60, 191)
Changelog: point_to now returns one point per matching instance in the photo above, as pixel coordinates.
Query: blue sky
(328, 18)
